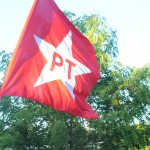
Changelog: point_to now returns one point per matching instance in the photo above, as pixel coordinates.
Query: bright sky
(131, 19)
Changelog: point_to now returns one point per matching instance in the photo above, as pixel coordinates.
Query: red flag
(53, 63)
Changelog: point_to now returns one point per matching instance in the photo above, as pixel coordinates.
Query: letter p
(57, 60)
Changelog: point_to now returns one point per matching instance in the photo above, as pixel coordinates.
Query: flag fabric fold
(53, 63)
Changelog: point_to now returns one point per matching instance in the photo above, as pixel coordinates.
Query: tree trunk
(71, 134)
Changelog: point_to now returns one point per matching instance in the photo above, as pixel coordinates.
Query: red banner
(53, 63)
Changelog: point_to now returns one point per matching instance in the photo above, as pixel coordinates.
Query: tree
(121, 97)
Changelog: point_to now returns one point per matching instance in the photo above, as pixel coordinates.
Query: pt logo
(60, 63)
(58, 60)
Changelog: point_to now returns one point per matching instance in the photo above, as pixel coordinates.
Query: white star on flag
(60, 63)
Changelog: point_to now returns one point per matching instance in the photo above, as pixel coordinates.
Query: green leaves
(121, 97)
(59, 136)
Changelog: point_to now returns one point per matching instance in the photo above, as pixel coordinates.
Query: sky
(131, 19)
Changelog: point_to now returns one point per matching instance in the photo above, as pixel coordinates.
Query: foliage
(121, 97)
